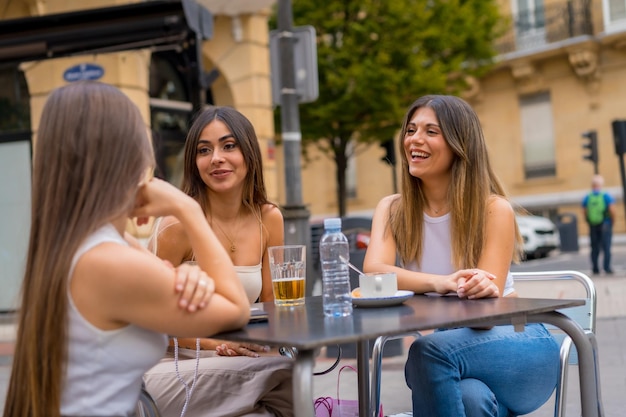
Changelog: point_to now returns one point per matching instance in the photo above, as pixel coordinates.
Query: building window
(530, 27)
(538, 136)
(614, 14)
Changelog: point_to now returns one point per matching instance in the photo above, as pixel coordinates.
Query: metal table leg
(363, 369)
(303, 384)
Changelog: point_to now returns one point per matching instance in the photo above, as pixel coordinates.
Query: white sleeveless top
(437, 250)
(105, 367)
(252, 280)
(251, 276)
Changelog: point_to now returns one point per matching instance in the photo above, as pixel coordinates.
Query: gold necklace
(437, 211)
(233, 247)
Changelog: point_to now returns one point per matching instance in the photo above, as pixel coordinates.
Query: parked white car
(540, 234)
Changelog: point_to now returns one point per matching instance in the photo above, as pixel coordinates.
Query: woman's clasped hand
(475, 283)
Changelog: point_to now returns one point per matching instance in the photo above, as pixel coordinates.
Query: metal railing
(550, 23)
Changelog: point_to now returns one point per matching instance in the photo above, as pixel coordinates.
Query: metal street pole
(296, 215)
(619, 139)
(623, 176)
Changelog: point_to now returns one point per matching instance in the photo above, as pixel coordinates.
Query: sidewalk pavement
(396, 397)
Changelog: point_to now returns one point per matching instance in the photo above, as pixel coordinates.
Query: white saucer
(400, 297)
(436, 294)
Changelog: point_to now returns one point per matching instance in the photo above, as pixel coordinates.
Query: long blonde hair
(473, 182)
(92, 150)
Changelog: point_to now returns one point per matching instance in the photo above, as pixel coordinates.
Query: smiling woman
(223, 173)
(454, 231)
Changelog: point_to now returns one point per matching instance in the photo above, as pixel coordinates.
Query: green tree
(376, 56)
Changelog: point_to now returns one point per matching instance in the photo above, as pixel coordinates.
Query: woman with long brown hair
(454, 231)
(223, 171)
(96, 307)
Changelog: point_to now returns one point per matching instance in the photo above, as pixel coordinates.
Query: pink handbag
(336, 407)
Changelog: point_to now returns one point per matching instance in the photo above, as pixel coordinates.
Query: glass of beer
(288, 267)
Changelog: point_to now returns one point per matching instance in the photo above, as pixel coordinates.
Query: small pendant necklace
(233, 247)
(436, 211)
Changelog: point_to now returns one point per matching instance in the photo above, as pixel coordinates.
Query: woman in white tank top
(224, 173)
(455, 232)
(96, 306)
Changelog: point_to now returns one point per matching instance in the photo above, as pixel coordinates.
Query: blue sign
(82, 72)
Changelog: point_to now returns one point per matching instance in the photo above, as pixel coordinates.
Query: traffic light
(591, 142)
(390, 152)
(619, 136)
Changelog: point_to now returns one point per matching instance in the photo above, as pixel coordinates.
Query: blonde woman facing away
(223, 171)
(96, 307)
(455, 232)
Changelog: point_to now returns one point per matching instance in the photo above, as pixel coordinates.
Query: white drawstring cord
(188, 389)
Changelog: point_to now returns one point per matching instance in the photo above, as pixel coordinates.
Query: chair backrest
(146, 406)
(562, 284)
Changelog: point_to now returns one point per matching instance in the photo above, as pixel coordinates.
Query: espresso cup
(378, 284)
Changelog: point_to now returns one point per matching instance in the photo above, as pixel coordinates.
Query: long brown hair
(472, 183)
(91, 151)
(254, 193)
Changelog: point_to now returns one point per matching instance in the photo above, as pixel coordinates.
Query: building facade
(235, 59)
(559, 73)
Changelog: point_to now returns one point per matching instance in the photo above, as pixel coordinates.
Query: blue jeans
(600, 237)
(496, 372)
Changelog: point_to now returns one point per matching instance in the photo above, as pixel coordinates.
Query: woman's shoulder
(169, 235)
(386, 202)
(272, 224)
(271, 213)
(168, 225)
(497, 204)
(389, 199)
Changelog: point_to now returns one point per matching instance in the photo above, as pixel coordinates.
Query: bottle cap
(332, 223)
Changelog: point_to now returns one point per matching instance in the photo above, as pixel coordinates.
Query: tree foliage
(375, 57)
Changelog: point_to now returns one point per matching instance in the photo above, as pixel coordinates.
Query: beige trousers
(225, 386)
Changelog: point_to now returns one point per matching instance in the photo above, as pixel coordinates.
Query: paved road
(611, 336)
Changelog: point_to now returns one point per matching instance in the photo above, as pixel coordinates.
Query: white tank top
(105, 367)
(252, 280)
(251, 276)
(437, 250)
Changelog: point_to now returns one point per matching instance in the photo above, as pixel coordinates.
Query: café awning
(109, 29)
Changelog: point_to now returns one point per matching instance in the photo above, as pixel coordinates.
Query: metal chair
(584, 315)
(146, 406)
(377, 368)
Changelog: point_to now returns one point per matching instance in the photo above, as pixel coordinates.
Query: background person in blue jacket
(599, 209)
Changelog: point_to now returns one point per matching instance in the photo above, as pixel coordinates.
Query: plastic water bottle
(335, 254)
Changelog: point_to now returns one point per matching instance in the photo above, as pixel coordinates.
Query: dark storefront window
(171, 111)
(14, 104)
